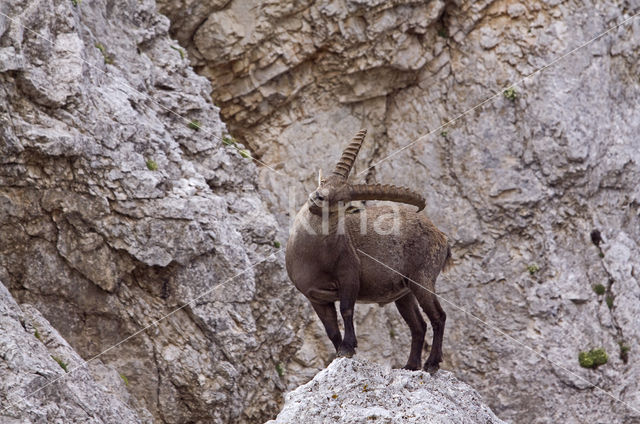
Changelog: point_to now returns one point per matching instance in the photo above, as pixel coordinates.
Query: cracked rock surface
(118, 205)
(355, 391)
(518, 183)
(33, 354)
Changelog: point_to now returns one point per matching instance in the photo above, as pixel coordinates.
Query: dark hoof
(431, 368)
(410, 367)
(346, 352)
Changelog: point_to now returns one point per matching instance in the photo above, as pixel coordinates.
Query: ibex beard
(379, 254)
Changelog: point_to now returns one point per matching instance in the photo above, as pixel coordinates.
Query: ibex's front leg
(348, 287)
(327, 314)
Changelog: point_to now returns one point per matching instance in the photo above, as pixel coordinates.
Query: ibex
(332, 255)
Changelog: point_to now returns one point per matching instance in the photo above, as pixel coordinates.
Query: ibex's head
(335, 190)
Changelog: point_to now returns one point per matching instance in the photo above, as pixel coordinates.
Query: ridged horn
(387, 192)
(344, 165)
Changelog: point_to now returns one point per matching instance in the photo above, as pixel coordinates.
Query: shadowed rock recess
(115, 211)
(518, 184)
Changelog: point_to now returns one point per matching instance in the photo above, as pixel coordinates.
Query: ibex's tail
(448, 262)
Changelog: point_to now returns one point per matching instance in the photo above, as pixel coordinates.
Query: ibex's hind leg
(327, 314)
(408, 308)
(429, 303)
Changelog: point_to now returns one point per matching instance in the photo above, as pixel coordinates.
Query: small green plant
(599, 289)
(593, 358)
(609, 301)
(624, 351)
(125, 379)
(276, 244)
(444, 133)
(228, 141)
(392, 333)
(195, 125)
(280, 369)
(179, 50)
(511, 94)
(366, 388)
(442, 32)
(60, 362)
(533, 268)
(75, 3)
(601, 254)
(244, 153)
(152, 165)
(107, 58)
(37, 333)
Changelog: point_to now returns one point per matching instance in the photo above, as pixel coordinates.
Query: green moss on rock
(593, 358)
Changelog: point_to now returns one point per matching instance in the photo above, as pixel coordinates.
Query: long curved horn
(387, 192)
(344, 165)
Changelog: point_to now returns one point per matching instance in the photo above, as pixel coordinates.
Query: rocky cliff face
(119, 204)
(356, 391)
(518, 182)
(35, 356)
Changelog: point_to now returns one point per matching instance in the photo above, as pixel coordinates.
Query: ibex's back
(381, 254)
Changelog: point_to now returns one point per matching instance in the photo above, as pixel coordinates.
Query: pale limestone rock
(353, 391)
(34, 354)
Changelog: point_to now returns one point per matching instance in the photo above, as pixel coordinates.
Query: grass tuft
(108, 59)
(60, 362)
(510, 94)
(624, 351)
(179, 50)
(152, 165)
(609, 301)
(280, 369)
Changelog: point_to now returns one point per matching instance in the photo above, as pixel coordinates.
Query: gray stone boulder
(358, 391)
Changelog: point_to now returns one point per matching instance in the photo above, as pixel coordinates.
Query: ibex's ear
(319, 177)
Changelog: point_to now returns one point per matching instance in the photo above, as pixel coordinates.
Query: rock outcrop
(518, 182)
(357, 391)
(33, 355)
(119, 204)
